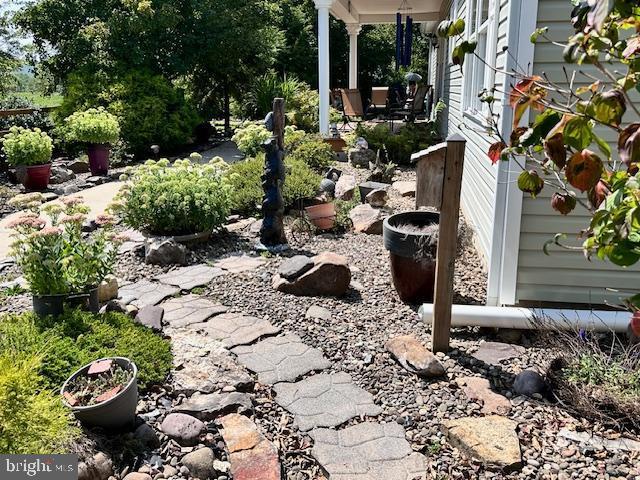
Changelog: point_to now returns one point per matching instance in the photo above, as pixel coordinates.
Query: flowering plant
(174, 199)
(54, 257)
(27, 147)
(95, 126)
(250, 138)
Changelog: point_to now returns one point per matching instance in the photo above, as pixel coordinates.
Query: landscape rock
(359, 157)
(529, 382)
(293, 267)
(164, 251)
(492, 440)
(479, 390)
(78, 166)
(330, 276)
(188, 278)
(405, 188)
(60, 175)
(414, 357)
(377, 198)
(183, 428)
(495, 352)
(328, 186)
(108, 289)
(89, 226)
(98, 467)
(200, 463)
(209, 406)
(315, 311)
(367, 219)
(597, 442)
(146, 434)
(115, 306)
(137, 476)
(150, 316)
(345, 187)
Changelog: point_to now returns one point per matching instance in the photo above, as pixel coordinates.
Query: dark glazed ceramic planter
(411, 240)
(34, 177)
(99, 158)
(117, 412)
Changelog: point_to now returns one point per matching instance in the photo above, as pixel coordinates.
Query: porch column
(353, 29)
(323, 7)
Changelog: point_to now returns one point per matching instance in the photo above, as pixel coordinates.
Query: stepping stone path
(144, 292)
(367, 451)
(281, 359)
(234, 329)
(190, 309)
(190, 277)
(325, 400)
(210, 406)
(239, 263)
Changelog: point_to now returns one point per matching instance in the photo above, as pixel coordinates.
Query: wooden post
(447, 243)
(278, 121)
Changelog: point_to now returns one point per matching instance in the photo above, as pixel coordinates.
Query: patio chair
(379, 101)
(413, 106)
(351, 106)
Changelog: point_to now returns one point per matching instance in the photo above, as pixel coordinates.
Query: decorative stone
(108, 289)
(405, 188)
(115, 306)
(367, 451)
(293, 267)
(479, 390)
(325, 400)
(233, 329)
(597, 442)
(281, 359)
(239, 263)
(491, 440)
(60, 175)
(187, 278)
(145, 292)
(147, 436)
(190, 309)
(209, 406)
(414, 357)
(183, 428)
(78, 166)
(137, 476)
(361, 157)
(367, 219)
(377, 198)
(200, 463)
(251, 455)
(328, 186)
(529, 382)
(150, 316)
(96, 180)
(330, 276)
(495, 352)
(345, 186)
(164, 251)
(321, 313)
(98, 467)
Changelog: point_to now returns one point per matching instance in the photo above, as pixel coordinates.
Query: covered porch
(355, 14)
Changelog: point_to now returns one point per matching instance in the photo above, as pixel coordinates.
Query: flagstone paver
(190, 277)
(367, 451)
(325, 400)
(495, 352)
(238, 263)
(190, 309)
(281, 359)
(210, 406)
(144, 293)
(234, 329)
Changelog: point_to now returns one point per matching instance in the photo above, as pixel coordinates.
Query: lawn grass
(40, 100)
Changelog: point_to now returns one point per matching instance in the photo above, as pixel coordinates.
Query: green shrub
(302, 110)
(32, 419)
(27, 147)
(93, 126)
(314, 152)
(246, 184)
(250, 138)
(259, 99)
(178, 199)
(68, 342)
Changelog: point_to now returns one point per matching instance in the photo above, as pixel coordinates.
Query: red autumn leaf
(555, 150)
(629, 144)
(522, 89)
(599, 193)
(633, 47)
(495, 151)
(584, 170)
(563, 203)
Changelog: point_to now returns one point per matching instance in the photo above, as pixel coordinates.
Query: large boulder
(359, 157)
(329, 276)
(295, 266)
(165, 251)
(345, 187)
(377, 198)
(367, 219)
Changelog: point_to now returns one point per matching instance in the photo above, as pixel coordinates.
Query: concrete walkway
(97, 198)
(227, 150)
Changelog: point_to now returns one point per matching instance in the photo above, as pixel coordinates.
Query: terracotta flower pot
(411, 238)
(99, 158)
(34, 177)
(323, 216)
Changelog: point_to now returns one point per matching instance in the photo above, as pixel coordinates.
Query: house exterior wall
(564, 276)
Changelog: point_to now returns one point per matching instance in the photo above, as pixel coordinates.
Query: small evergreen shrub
(175, 199)
(250, 138)
(93, 126)
(27, 147)
(314, 152)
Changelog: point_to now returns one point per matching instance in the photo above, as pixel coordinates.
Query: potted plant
(98, 129)
(30, 152)
(103, 393)
(412, 240)
(61, 265)
(323, 216)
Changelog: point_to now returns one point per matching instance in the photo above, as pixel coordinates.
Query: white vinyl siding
(564, 276)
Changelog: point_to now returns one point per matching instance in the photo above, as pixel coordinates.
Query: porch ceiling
(384, 11)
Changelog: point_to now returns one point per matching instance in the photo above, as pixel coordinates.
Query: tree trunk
(227, 110)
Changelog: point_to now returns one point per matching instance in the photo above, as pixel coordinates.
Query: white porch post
(323, 62)
(353, 29)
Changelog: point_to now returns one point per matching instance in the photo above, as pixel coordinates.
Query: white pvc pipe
(525, 318)
(323, 64)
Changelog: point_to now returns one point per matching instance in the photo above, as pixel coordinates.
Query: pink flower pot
(323, 216)
(99, 158)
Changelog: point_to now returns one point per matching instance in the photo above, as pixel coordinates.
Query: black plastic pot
(367, 187)
(85, 301)
(44, 305)
(117, 412)
(412, 254)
